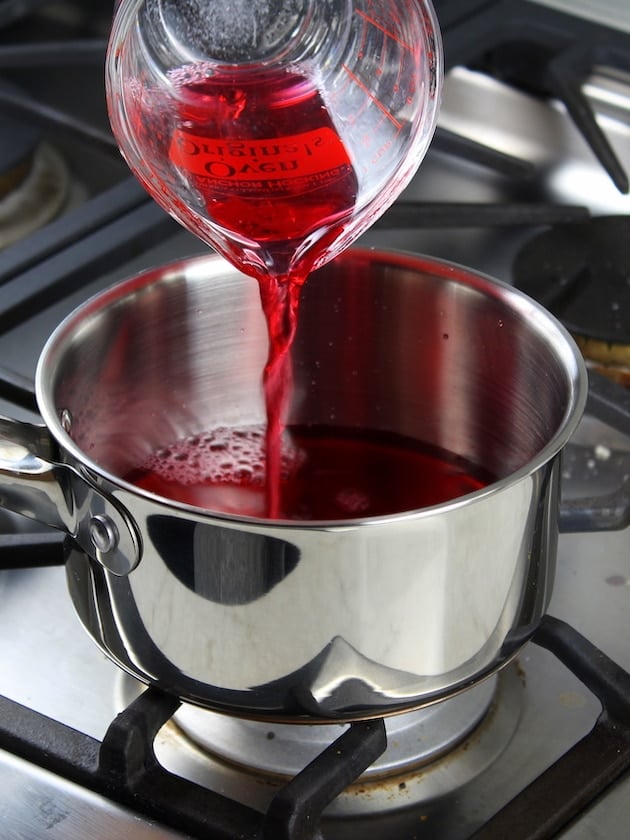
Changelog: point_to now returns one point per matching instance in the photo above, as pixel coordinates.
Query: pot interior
(386, 342)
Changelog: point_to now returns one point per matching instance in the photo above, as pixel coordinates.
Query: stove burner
(581, 273)
(34, 181)
(18, 143)
(37, 200)
(430, 751)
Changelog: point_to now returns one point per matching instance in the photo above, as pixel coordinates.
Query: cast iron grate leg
(124, 768)
(573, 783)
(296, 811)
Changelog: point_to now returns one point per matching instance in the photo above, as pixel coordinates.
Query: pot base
(430, 753)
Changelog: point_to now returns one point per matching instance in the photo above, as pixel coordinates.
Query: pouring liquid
(264, 161)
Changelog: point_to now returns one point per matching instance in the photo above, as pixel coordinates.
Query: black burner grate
(540, 50)
(580, 273)
(124, 768)
(582, 774)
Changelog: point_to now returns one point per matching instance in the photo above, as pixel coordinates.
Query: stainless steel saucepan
(304, 620)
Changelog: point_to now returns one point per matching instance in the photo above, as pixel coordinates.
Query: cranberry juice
(325, 474)
(263, 154)
(259, 157)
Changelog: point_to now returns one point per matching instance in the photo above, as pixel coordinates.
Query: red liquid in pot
(325, 474)
(263, 157)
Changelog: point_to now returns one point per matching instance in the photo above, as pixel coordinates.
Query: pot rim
(527, 307)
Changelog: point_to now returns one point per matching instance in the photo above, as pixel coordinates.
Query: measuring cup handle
(34, 484)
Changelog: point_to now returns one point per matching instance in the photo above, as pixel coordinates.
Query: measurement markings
(371, 96)
(380, 26)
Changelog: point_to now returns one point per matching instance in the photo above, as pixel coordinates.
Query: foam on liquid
(222, 469)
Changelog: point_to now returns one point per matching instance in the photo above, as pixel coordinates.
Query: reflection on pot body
(403, 599)
(399, 614)
(328, 619)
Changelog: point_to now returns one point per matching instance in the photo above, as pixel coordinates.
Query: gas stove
(542, 749)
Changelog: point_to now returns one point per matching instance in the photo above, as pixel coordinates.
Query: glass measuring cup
(275, 130)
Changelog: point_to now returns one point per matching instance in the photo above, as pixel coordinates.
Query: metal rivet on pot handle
(34, 484)
(103, 533)
(106, 546)
(118, 555)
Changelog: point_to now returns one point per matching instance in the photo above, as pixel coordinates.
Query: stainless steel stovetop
(48, 663)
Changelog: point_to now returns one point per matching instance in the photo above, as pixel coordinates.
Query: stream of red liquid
(260, 158)
(265, 158)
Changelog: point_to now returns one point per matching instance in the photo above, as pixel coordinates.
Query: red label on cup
(245, 162)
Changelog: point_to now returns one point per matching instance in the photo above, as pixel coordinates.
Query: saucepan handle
(33, 483)
(30, 482)
(610, 403)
